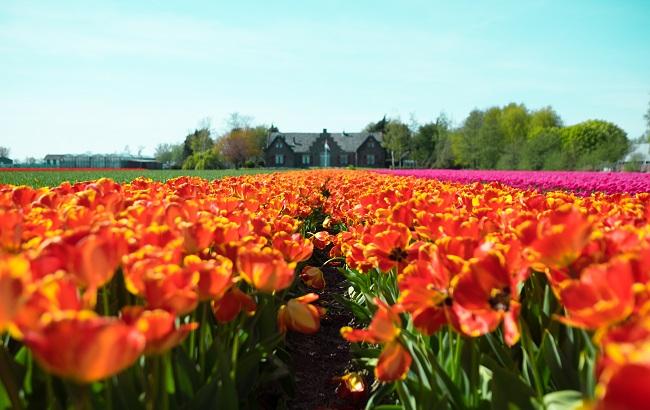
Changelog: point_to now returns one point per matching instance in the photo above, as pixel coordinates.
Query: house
(638, 158)
(325, 149)
(6, 162)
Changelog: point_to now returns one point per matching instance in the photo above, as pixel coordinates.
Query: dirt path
(319, 358)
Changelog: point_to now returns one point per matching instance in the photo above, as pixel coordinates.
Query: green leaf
(509, 390)
(5, 403)
(563, 400)
(563, 373)
(378, 396)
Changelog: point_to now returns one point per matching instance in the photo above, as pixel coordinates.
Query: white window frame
(279, 159)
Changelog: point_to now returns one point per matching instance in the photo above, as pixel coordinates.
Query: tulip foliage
(179, 294)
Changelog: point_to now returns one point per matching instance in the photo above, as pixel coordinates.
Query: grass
(40, 178)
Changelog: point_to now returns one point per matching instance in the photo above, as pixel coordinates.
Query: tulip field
(478, 291)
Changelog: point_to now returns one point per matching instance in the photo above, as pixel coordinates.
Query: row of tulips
(583, 183)
(177, 294)
(484, 295)
(154, 295)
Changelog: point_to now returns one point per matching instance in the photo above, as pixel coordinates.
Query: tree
(196, 142)
(397, 140)
(170, 154)
(236, 146)
(491, 140)
(515, 124)
(424, 144)
(465, 141)
(236, 121)
(432, 145)
(242, 142)
(379, 126)
(594, 143)
(4, 152)
(543, 150)
(545, 118)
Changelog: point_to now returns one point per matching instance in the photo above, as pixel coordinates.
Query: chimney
(324, 130)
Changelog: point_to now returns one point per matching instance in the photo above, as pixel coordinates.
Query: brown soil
(317, 360)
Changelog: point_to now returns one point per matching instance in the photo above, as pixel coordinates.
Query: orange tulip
(560, 238)
(385, 327)
(84, 347)
(171, 288)
(294, 247)
(321, 239)
(158, 328)
(215, 275)
(394, 362)
(486, 295)
(313, 277)
(196, 236)
(11, 229)
(233, 302)
(90, 257)
(14, 272)
(300, 315)
(603, 295)
(388, 246)
(265, 269)
(53, 295)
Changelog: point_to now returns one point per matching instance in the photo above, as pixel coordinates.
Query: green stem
(202, 330)
(8, 379)
(154, 382)
(192, 339)
(527, 344)
(80, 395)
(233, 357)
(105, 300)
(108, 386)
(456, 364)
(51, 398)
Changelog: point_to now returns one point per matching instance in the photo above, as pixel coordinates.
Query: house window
(279, 159)
(370, 159)
(278, 145)
(306, 159)
(344, 159)
(371, 144)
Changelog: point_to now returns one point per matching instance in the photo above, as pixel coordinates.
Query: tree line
(242, 145)
(508, 137)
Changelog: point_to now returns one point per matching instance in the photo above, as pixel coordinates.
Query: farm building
(99, 161)
(301, 150)
(6, 162)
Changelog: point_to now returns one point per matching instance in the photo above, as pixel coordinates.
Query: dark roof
(302, 141)
(5, 160)
(53, 156)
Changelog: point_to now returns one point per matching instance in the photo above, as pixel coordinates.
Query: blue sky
(79, 76)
